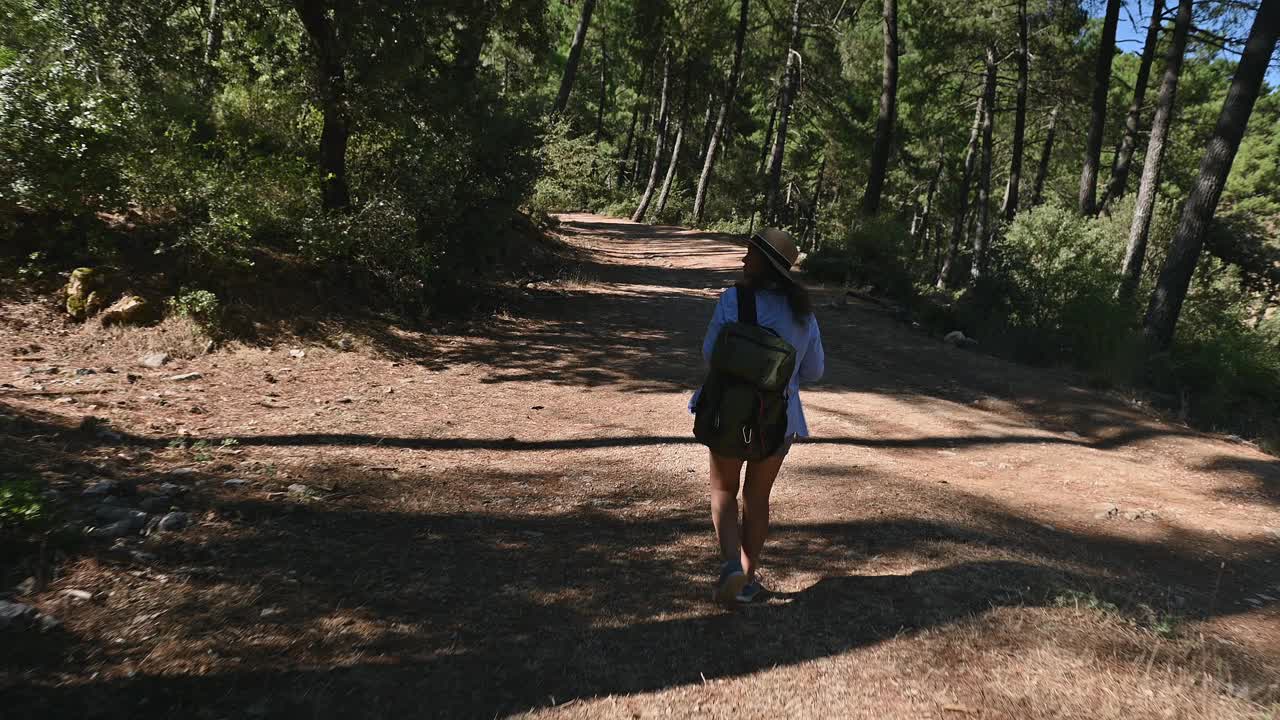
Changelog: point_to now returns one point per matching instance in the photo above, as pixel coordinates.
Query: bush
(731, 225)
(573, 168)
(1056, 275)
(1228, 372)
(21, 506)
(200, 306)
(62, 136)
(873, 252)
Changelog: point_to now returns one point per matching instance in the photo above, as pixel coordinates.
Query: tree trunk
(213, 38)
(1101, 81)
(575, 54)
(671, 168)
(635, 117)
(1117, 184)
(928, 200)
(705, 138)
(660, 139)
(1037, 190)
(817, 203)
(1136, 251)
(966, 177)
(1184, 249)
(982, 235)
(333, 102)
(768, 133)
(888, 111)
(469, 38)
(773, 183)
(642, 156)
(675, 145)
(604, 90)
(1010, 206)
(704, 180)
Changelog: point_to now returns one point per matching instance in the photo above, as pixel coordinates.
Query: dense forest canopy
(1083, 183)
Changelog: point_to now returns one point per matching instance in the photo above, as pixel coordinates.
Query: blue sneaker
(752, 592)
(731, 582)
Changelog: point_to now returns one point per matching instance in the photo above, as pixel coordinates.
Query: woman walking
(783, 306)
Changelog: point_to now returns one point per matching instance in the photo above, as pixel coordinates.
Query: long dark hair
(798, 298)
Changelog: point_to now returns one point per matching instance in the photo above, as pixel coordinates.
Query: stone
(48, 623)
(345, 344)
(101, 488)
(114, 530)
(96, 301)
(956, 338)
(142, 556)
(156, 503)
(172, 489)
(175, 521)
(81, 595)
(86, 371)
(16, 616)
(303, 490)
(185, 377)
(154, 360)
(83, 282)
(133, 519)
(1106, 511)
(297, 354)
(128, 310)
(235, 483)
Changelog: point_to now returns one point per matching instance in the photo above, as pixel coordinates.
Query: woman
(784, 306)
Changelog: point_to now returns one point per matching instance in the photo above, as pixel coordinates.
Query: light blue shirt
(773, 312)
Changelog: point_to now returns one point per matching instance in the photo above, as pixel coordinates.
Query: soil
(511, 517)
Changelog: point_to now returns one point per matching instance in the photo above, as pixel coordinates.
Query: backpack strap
(746, 305)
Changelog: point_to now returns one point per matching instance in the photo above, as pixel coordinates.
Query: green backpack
(742, 410)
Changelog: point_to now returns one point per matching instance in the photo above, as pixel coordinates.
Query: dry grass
(178, 336)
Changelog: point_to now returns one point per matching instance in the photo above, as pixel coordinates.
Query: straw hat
(779, 248)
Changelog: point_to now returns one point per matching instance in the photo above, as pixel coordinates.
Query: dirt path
(514, 520)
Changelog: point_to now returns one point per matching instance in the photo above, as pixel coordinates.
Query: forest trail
(515, 520)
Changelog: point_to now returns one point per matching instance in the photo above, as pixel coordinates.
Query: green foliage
(732, 225)
(573, 174)
(21, 506)
(124, 111)
(873, 252)
(1058, 275)
(1162, 623)
(1228, 371)
(201, 306)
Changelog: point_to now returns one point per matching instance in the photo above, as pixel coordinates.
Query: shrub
(1228, 372)
(21, 506)
(1056, 275)
(873, 252)
(201, 306)
(573, 168)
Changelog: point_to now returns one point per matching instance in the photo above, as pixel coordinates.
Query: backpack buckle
(746, 435)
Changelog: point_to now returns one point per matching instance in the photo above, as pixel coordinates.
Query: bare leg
(724, 504)
(755, 510)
